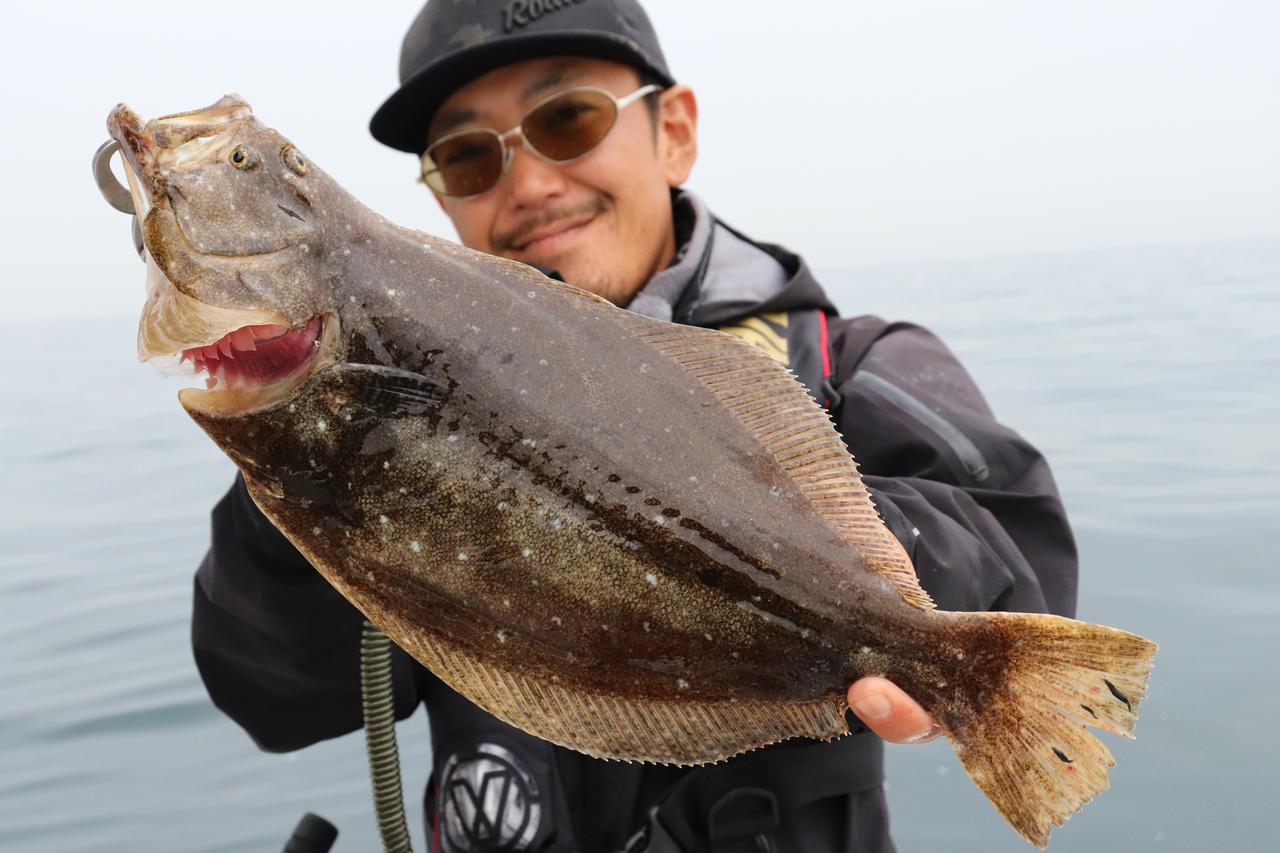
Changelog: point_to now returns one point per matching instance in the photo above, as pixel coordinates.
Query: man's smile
(554, 237)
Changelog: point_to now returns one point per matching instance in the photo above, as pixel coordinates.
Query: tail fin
(1029, 750)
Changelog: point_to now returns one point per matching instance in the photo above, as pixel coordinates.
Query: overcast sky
(855, 133)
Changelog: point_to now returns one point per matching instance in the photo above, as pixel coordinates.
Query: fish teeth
(242, 339)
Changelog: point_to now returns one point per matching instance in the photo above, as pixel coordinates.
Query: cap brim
(401, 122)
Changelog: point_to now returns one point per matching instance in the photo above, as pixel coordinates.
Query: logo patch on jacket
(766, 331)
(488, 801)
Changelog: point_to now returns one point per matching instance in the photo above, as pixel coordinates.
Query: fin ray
(775, 407)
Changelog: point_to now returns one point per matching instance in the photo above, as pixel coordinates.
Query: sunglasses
(560, 128)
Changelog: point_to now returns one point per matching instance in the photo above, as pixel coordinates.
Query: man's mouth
(256, 355)
(553, 236)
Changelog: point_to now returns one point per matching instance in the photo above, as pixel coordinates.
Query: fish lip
(244, 400)
(136, 147)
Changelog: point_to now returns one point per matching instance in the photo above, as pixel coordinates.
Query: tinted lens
(464, 164)
(570, 124)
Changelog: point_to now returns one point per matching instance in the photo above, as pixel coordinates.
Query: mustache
(507, 240)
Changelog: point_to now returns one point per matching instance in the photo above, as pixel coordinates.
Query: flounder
(640, 540)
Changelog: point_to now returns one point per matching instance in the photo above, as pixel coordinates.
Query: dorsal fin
(773, 404)
(769, 401)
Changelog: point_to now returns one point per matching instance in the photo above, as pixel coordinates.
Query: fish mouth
(257, 365)
(256, 354)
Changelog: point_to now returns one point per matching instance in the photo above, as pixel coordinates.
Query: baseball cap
(452, 42)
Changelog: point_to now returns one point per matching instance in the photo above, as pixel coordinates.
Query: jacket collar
(719, 275)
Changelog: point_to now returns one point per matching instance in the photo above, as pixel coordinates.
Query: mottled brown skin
(557, 497)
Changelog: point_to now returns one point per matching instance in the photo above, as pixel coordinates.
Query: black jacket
(973, 503)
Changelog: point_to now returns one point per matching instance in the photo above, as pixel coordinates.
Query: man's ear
(677, 132)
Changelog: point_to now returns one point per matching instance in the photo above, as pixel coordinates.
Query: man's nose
(531, 180)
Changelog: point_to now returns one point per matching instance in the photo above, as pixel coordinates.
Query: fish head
(234, 221)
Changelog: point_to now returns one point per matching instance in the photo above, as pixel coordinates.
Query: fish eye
(294, 160)
(242, 158)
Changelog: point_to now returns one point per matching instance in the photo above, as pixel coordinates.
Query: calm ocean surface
(1151, 379)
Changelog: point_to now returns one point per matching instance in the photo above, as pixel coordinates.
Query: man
(552, 132)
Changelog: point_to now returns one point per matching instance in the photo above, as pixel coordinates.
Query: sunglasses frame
(508, 151)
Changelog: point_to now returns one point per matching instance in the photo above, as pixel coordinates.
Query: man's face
(603, 220)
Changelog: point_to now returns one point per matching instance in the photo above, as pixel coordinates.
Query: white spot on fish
(525, 552)
(452, 438)
(942, 684)
(347, 252)
(386, 465)
(708, 636)
(647, 628)
(292, 407)
(502, 636)
(506, 602)
(316, 531)
(392, 291)
(531, 294)
(651, 578)
(556, 524)
(542, 362)
(369, 576)
(733, 654)
(865, 650)
(502, 506)
(415, 546)
(556, 620)
(555, 678)
(523, 392)
(644, 368)
(590, 499)
(776, 492)
(682, 684)
(915, 531)
(322, 425)
(693, 478)
(659, 519)
(604, 627)
(462, 555)
(383, 519)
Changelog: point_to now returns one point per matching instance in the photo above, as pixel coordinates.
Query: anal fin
(629, 729)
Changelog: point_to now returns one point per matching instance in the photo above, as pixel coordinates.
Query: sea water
(1150, 378)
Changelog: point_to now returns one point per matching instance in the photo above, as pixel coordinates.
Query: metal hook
(116, 195)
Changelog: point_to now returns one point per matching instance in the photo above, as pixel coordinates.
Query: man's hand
(891, 713)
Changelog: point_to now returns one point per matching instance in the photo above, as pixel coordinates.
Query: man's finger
(891, 713)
